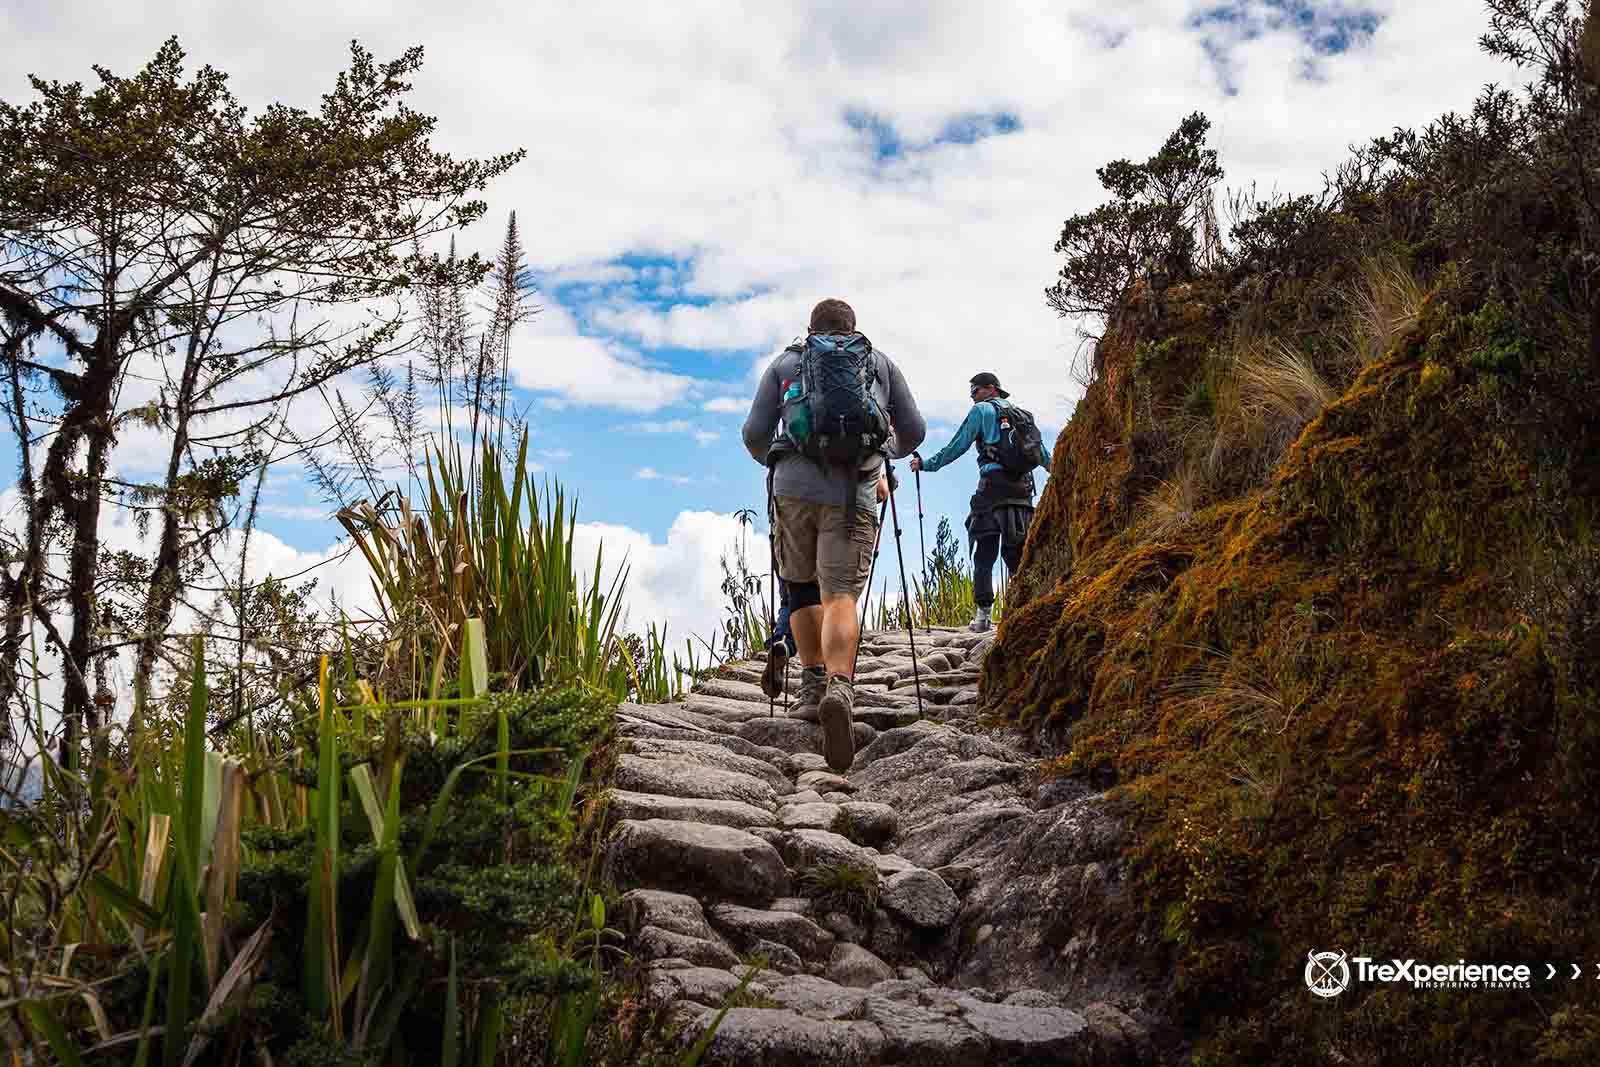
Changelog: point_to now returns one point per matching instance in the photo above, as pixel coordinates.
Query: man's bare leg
(841, 630)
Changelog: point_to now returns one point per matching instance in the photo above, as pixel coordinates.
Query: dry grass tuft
(1384, 304)
(1282, 385)
(1171, 506)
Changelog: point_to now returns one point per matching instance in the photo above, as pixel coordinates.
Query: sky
(699, 174)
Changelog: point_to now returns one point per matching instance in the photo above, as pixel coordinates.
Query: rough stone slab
(803, 796)
(887, 718)
(807, 761)
(807, 848)
(710, 756)
(709, 986)
(816, 997)
(873, 824)
(726, 710)
(921, 898)
(654, 943)
(675, 912)
(729, 689)
(835, 798)
(691, 857)
(1030, 1035)
(808, 816)
(781, 958)
(748, 925)
(889, 864)
(944, 840)
(679, 778)
(965, 697)
(735, 813)
(895, 741)
(795, 736)
(824, 782)
(852, 966)
(732, 742)
(924, 1036)
(776, 1038)
(958, 876)
(673, 718)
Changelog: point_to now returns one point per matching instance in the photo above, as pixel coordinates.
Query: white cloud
(650, 474)
(676, 581)
(716, 139)
(727, 405)
(556, 455)
(706, 437)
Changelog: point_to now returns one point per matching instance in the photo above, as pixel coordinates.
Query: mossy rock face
(1338, 713)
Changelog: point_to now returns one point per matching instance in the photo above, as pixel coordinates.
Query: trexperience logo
(1328, 973)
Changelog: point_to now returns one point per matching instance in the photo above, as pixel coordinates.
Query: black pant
(985, 552)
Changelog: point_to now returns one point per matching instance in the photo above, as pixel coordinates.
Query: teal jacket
(981, 424)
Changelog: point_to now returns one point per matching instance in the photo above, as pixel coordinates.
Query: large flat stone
(708, 861)
(871, 824)
(749, 925)
(654, 943)
(855, 967)
(808, 816)
(776, 1038)
(794, 735)
(677, 912)
(735, 813)
(808, 848)
(921, 898)
(673, 718)
(709, 755)
(927, 1037)
(1030, 1035)
(816, 997)
(680, 778)
(709, 986)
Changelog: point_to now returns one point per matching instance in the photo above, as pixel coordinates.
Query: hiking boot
(838, 740)
(777, 664)
(813, 684)
(981, 623)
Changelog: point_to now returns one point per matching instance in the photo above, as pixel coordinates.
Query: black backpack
(1018, 447)
(830, 413)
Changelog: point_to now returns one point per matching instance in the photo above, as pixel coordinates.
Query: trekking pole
(877, 539)
(911, 632)
(922, 543)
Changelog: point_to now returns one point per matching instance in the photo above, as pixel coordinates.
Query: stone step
(709, 755)
(681, 778)
(734, 813)
(695, 858)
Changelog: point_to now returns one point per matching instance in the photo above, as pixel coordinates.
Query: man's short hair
(833, 316)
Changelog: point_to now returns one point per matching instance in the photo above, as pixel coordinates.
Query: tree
(171, 262)
(1150, 223)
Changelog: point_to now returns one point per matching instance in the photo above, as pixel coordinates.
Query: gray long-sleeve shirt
(803, 478)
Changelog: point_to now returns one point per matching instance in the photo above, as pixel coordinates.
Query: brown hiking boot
(777, 664)
(813, 684)
(836, 712)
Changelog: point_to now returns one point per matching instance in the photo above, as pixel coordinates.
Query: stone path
(861, 901)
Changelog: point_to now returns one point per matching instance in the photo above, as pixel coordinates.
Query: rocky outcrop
(914, 910)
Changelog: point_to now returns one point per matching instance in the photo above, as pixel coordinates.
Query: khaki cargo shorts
(814, 546)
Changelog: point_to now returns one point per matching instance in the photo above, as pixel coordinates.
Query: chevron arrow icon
(1552, 973)
(1576, 971)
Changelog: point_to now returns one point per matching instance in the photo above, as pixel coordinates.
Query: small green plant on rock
(841, 887)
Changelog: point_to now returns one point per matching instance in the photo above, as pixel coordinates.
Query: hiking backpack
(1018, 447)
(829, 412)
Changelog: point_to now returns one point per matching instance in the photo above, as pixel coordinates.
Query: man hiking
(826, 412)
(1008, 449)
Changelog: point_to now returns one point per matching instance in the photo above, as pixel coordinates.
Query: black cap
(983, 377)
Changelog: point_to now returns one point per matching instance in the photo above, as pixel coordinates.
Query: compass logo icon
(1327, 973)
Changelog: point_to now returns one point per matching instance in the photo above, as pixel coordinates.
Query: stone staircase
(862, 902)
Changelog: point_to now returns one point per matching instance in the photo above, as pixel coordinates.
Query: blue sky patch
(969, 128)
(1327, 28)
